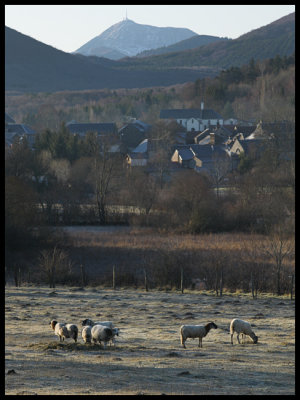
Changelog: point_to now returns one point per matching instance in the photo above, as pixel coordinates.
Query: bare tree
(221, 167)
(104, 166)
(279, 245)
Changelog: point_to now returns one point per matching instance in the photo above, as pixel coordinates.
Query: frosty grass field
(148, 357)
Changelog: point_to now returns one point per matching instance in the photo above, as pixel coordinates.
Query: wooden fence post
(292, 285)
(83, 277)
(114, 278)
(221, 282)
(146, 281)
(181, 280)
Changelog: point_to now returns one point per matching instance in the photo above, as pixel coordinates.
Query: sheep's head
(255, 339)
(53, 323)
(86, 322)
(116, 331)
(213, 325)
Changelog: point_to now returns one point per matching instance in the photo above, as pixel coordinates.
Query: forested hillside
(263, 90)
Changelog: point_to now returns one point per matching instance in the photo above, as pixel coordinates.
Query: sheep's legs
(200, 342)
(238, 338)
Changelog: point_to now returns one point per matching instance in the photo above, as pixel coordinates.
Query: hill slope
(127, 38)
(265, 42)
(191, 43)
(32, 66)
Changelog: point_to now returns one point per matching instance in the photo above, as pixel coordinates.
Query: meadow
(147, 358)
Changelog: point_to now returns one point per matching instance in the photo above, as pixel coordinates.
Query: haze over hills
(127, 38)
(32, 66)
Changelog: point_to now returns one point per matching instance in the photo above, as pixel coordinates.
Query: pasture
(148, 358)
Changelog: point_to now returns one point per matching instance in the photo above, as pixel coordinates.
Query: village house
(14, 132)
(201, 158)
(132, 134)
(193, 120)
(81, 129)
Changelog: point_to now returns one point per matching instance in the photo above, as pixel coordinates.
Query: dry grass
(148, 358)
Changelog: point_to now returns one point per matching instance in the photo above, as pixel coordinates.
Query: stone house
(193, 120)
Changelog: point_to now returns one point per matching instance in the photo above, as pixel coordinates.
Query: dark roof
(9, 119)
(186, 113)
(139, 125)
(201, 151)
(186, 154)
(19, 128)
(83, 128)
(244, 129)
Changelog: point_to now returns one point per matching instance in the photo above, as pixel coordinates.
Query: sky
(68, 27)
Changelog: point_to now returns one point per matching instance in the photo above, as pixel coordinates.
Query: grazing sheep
(243, 327)
(115, 332)
(86, 322)
(86, 334)
(195, 331)
(101, 333)
(64, 330)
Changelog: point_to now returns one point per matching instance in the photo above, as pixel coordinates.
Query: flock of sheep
(104, 332)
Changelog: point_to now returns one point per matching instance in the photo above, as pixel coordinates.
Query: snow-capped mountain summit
(127, 38)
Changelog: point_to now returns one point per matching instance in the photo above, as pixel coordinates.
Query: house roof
(9, 119)
(186, 113)
(83, 128)
(201, 151)
(142, 147)
(186, 154)
(19, 129)
(139, 125)
(138, 156)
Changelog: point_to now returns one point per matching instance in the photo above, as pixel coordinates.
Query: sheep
(86, 322)
(115, 332)
(86, 334)
(101, 333)
(64, 330)
(243, 327)
(195, 331)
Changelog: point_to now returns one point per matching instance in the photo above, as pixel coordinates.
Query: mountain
(191, 43)
(127, 38)
(32, 66)
(265, 42)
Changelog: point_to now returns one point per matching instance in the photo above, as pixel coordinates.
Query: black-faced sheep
(101, 333)
(64, 330)
(195, 331)
(89, 322)
(109, 324)
(243, 327)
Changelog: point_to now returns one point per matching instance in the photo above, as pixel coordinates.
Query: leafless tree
(279, 245)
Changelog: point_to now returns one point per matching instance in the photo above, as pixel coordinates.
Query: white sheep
(243, 327)
(89, 322)
(101, 333)
(86, 334)
(64, 330)
(195, 331)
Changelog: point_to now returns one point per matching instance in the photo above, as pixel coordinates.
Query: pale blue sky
(68, 27)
